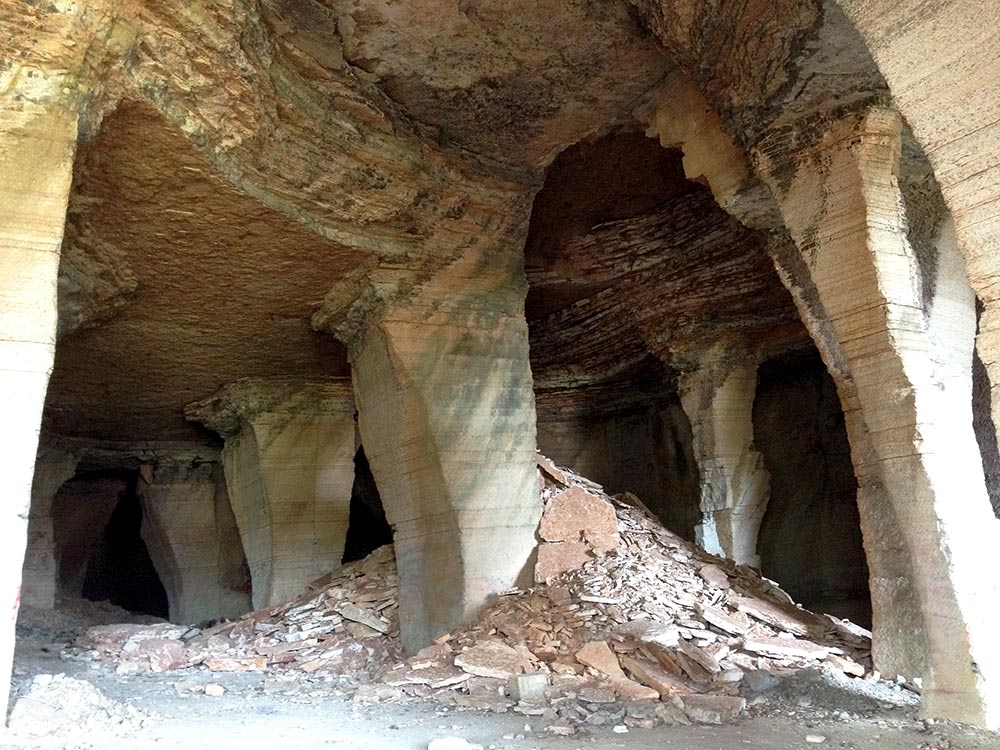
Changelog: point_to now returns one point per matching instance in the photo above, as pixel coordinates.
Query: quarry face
(582, 359)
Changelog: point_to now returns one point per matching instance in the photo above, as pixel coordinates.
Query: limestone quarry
(612, 371)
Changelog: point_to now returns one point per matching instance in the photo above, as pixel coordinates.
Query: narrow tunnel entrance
(810, 538)
(368, 528)
(101, 556)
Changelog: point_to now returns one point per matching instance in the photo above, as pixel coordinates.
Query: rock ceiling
(368, 130)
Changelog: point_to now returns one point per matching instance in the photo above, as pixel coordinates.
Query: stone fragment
(215, 691)
(630, 690)
(847, 666)
(785, 647)
(712, 709)
(528, 687)
(363, 616)
(163, 654)
(656, 677)
(732, 624)
(562, 557)
(576, 515)
(652, 631)
(784, 617)
(491, 659)
(245, 664)
(760, 681)
(713, 575)
(599, 656)
(595, 694)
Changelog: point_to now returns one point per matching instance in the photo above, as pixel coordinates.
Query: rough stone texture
(39, 586)
(36, 158)
(191, 533)
(446, 411)
(951, 100)
(289, 466)
(735, 486)
(903, 370)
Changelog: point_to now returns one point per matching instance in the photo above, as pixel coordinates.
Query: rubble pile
(346, 623)
(627, 624)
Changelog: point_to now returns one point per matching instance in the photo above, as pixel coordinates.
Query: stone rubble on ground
(627, 625)
(65, 712)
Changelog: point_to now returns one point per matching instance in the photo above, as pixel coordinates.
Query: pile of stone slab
(626, 623)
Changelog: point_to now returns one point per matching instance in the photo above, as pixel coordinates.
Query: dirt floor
(172, 710)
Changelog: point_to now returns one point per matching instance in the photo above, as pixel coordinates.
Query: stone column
(40, 573)
(36, 169)
(735, 486)
(928, 527)
(190, 531)
(289, 466)
(447, 416)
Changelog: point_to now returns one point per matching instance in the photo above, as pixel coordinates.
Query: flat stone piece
(656, 677)
(712, 709)
(247, 664)
(595, 694)
(631, 690)
(598, 655)
(575, 514)
(652, 631)
(491, 659)
(363, 616)
(728, 623)
(561, 557)
(714, 576)
(785, 647)
(781, 616)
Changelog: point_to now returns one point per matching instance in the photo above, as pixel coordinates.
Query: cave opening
(368, 528)
(810, 538)
(100, 553)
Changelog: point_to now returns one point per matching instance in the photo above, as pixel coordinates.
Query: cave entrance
(368, 528)
(100, 553)
(810, 538)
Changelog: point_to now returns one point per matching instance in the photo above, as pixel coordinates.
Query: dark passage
(368, 529)
(810, 539)
(120, 569)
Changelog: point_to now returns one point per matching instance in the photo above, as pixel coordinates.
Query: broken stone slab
(651, 631)
(161, 654)
(554, 559)
(491, 659)
(714, 576)
(666, 684)
(734, 624)
(529, 688)
(575, 514)
(244, 664)
(630, 690)
(784, 617)
(711, 709)
(363, 616)
(704, 659)
(785, 648)
(598, 656)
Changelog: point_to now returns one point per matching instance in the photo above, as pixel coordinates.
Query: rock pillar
(902, 363)
(190, 531)
(735, 486)
(36, 168)
(447, 416)
(40, 574)
(289, 466)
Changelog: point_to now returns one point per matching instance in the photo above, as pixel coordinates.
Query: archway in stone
(101, 556)
(636, 276)
(368, 529)
(810, 538)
